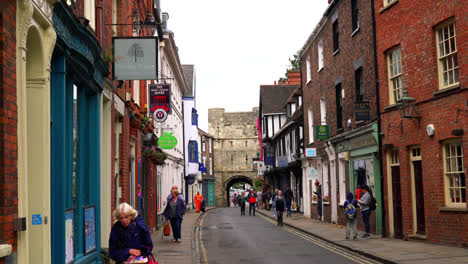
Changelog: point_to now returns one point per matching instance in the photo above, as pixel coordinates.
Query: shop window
(454, 174)
(193, 151)
(447, 55)
(364, 174)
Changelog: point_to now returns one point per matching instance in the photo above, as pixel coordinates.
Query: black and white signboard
(135, 58)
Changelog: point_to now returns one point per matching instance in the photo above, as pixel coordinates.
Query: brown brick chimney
(294, 77)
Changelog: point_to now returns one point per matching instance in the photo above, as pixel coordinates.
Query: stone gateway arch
(235, 148)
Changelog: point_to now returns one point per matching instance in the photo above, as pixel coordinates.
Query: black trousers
(280, 218)
(242, 209)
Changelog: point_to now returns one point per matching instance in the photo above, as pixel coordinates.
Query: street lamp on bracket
(407, 108)
(137, 24)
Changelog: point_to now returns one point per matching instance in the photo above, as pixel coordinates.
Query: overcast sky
(238, 45)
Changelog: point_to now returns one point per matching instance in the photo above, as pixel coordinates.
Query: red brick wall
(397, 26)
(322, 84)
(8, 124)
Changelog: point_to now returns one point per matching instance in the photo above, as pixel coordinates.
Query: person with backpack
(241, 201)
(365, 203)
(350, 206)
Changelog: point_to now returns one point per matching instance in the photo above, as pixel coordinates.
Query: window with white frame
(309, 73)
(454, 174)
(447, 55)
(311, 125)
(395, 76)
(323, 112)
(320, 54)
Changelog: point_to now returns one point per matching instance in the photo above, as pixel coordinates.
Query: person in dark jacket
(280, 203)
(350, 206)
(129, 236)
(289, 197)
(242, 200)
(174, 212)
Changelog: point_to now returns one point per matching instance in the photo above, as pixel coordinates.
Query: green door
(211, 192)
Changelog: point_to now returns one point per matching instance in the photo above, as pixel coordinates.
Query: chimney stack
(165, 17)
(294, 77)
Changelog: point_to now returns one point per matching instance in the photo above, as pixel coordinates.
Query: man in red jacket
(252, 202)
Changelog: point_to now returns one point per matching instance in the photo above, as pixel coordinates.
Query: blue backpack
(350, 210)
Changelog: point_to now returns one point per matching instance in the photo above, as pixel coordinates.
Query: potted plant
(326, 199)
(158, 157)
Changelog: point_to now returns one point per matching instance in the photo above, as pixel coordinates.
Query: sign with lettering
(362, 111)
(311, 152)
(282, 162)
(167, 141)
(322, 132)
(159, 97)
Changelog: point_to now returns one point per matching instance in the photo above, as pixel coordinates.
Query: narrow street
(229, 238)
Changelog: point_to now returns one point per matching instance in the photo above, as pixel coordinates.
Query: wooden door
(419, 192)
(397, 209)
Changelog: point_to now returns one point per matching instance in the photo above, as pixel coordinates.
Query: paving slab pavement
(384, 249)
(167, 252)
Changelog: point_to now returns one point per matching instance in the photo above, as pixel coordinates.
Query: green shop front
(361, 148)
(77, 79)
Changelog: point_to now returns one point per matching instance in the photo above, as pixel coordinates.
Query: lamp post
(408, 108)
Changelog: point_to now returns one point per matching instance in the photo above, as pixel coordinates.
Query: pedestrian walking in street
(364, 204)
(129, 237)
(280, 203)
(273, 203)
(252, 202)
(198, 200)
(234, 199)
(350, 206)
(175, 188)
(289, 197)
(266, 199)
(318, 192)
(174, 212)
(259, 199)
(242, 201)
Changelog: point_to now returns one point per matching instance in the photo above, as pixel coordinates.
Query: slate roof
(188, 70)
(274, 97)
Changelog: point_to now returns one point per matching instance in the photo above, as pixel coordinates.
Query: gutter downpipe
(379, 121)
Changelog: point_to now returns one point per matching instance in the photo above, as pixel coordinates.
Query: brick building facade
(424, 149)
(338, 80)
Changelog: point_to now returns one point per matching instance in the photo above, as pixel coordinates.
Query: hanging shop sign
(160, 97)
(322, 132)
(362, 111)
(160, 115)
(311, 152)
(167, 141)
(135, 58)
(282, 162)
(270, 160)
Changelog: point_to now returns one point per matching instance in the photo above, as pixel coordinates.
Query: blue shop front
(77, 79)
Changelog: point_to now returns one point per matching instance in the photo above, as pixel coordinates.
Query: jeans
(365, 218)
(319, 207)
(251, 207)
(176, 224)
(288, 207)
(351, 224)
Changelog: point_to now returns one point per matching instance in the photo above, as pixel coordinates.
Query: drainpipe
(379, 121)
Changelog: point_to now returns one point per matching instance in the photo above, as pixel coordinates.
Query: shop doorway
(418, 191)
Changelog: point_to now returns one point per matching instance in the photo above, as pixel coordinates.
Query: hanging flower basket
(326, 199)
(158, 158)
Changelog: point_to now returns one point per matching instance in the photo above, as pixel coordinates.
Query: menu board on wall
(69, 237)
(89, 229)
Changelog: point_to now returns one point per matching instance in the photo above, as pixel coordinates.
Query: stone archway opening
(235, 185)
